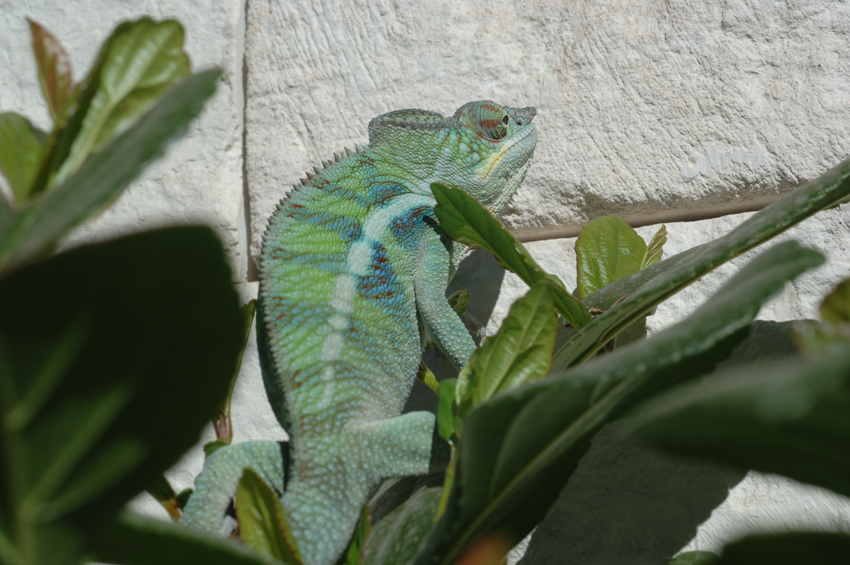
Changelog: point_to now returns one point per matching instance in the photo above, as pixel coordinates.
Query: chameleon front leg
(431, 277)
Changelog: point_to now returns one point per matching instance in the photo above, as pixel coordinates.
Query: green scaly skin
(348, 260)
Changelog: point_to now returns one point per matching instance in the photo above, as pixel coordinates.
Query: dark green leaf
(21, 149)
(789, 417)
(89, 340)
(212, 446)
(54, 70)
(138, 540)
(396, 538)
(262, 523)
(356, 553)
(102, 178)
(696, 558)
(607, 249)
(836, 306)
(788, 549)
(813, 338)
(445, 410)
(222, 422)
(651, 286)
(466, 221)
(521, 352)
(519, 448)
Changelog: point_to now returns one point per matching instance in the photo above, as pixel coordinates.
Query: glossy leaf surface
(262, 523)
(519, 448)
(466, 221)
(607, 249)
(21, 149)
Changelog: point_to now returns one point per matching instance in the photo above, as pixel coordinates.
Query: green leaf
(649, 287)
(397, 536)
(145, 541)
(466, 221)
(445, 409)
(789, 417)
(696, 558)
(607, 249)
(836, 306)
(89, 340)
(142, 60)
(262, 523)
(21, 149)
(519, 448)
(222, 422)
(356, 553)
(459, 300)
(37, 226)
(521, 352)
(54, 70)
(654, 251)
(788, 549)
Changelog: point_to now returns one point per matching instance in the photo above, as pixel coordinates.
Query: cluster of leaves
(101, 346)
(521, 414)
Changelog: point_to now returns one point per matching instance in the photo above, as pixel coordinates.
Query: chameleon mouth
(495, 160)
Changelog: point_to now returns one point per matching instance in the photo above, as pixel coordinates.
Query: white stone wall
(655, 111)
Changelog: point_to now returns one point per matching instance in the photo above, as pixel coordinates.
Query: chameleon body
(353, 266)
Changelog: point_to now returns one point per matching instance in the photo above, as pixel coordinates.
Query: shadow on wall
(629, 504)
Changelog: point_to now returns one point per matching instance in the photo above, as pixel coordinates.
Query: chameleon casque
(353, 266)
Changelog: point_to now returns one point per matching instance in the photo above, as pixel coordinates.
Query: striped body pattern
(353, 267)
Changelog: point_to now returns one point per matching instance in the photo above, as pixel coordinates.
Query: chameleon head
(484, 148)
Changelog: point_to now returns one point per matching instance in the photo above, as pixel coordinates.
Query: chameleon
(352, 276)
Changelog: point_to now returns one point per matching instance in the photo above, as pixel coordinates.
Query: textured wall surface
(651, 110)
(656, 111)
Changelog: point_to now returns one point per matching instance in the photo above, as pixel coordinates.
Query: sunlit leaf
(142, 59)
(54, 69)
(262, 523)
(21, 150)
(466, 221)
(520, 352)
(607, 249)
(655, 248)
(836, 306)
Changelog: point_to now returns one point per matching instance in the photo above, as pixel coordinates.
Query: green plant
(515, 449)
(112, 355)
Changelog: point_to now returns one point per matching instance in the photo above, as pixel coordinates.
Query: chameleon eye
(490, 119)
